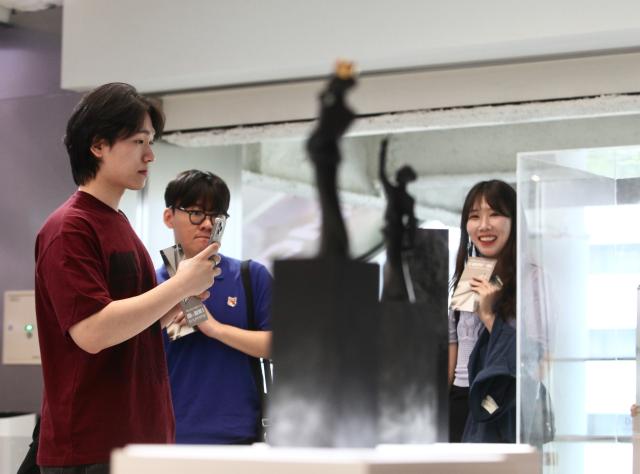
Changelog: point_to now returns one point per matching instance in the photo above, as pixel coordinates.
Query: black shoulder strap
(248, 291)
(260, 375)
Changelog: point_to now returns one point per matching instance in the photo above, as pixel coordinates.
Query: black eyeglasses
(197, 217)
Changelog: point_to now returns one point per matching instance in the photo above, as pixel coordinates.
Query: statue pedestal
(350, 371)
(325, 322)
(412, 374)
(413, 350)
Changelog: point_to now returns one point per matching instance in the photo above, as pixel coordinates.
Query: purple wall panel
(35, 176)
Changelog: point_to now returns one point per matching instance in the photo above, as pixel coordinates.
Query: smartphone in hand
(219, 224)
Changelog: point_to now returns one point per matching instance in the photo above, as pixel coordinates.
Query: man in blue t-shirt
(214, 393)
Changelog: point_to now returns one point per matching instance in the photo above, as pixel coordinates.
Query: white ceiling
(450, 149)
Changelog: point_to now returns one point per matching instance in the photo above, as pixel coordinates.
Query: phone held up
(219, 223)
(191, 306)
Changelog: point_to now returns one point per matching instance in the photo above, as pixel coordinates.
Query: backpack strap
(248, 291)
(260, 375)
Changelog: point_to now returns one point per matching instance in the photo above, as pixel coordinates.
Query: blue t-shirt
(215, 398)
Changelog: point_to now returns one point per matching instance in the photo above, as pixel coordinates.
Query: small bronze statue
(335, 118)
(399, 230)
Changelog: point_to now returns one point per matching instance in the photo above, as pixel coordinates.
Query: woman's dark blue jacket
(492, 387)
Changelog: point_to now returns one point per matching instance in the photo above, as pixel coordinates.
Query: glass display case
(578, 273)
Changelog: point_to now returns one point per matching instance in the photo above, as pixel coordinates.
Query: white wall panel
(166, 46)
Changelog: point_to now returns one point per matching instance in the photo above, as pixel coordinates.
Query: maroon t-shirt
(87, 255)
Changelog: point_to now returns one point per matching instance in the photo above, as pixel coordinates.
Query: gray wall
(35, 176)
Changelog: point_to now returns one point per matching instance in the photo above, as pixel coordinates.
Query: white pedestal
(15, 437)
(385, 459)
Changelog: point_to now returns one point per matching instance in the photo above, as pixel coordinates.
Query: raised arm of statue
(383, 166)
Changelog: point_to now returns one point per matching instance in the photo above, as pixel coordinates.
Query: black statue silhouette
(335, 118)
(400, 228)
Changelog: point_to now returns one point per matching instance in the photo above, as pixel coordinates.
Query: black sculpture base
(324, 337)
(413, 355)
(413, 349)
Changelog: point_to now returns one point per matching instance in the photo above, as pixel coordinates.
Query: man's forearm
(123, 319)
(253, 343)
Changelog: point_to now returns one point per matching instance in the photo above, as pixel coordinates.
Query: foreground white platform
(386, 459)
(15, 437)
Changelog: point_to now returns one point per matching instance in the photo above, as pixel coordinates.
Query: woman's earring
(472, 251)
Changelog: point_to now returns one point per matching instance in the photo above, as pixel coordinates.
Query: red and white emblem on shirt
(232, 301)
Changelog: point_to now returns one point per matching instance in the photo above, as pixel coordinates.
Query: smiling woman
(487, 227)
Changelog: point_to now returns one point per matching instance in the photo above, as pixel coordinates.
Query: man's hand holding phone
(197, 272)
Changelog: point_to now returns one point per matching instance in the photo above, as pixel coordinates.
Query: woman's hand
(487, 293)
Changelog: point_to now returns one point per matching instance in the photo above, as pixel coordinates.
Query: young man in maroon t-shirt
(98, 308)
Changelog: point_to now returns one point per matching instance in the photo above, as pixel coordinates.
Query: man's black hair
(110, 112)
(198, 188)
